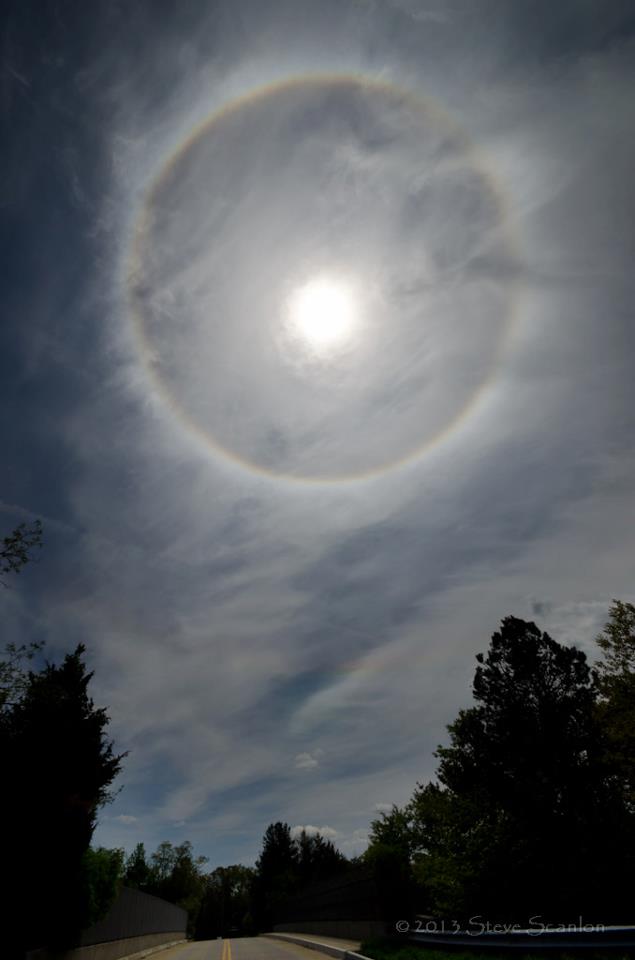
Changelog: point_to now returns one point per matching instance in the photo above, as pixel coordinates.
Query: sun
(323, 313)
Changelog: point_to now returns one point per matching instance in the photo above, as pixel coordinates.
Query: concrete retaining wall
(358, 930)
(113, 950)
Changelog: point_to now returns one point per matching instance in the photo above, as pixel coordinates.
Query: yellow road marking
(226, 953)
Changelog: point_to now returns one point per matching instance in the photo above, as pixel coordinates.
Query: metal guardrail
(541, 937)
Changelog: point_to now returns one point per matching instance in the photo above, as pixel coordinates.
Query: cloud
(355, 844)
(327, 832)
(304, 761)
(424, 12)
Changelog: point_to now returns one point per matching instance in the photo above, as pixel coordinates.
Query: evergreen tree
(57, 769)
(317, 858)
(137, 871)
(276, 873)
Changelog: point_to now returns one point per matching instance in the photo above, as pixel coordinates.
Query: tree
(57, 768)
(524, 773)
(389, 855)
(16, 551)
(279, 853)
(186, 884)
(276, 873)
(19, 546)
(287, 865)
(175, 875)
(394, 831)
(451, 837)
(137, 872)
(225, 908)
(525, 818)
(317, 858)
(13, 673)
(616, 684)
(162, 863)
(102, 876)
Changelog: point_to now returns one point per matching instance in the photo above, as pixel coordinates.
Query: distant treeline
(235, 900)
(532, 812)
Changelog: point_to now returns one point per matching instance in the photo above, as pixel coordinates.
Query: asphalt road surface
(245, 948)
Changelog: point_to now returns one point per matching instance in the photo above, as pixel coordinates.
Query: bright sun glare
(323, 312)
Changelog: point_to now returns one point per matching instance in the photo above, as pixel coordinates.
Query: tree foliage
(57, 769)
(137, 873)
(14, 674)
(394, 831)
(102, 876)
(279, 855)
(172, 873)
(524, 774)
(526, 817)
(616, 684)
(317, 858)
(286, 865)
(18, 547)
(226, 905)
(276, 872)
(389, 855)
(617, 643)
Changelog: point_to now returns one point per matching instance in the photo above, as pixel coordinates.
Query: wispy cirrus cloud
(235, 620)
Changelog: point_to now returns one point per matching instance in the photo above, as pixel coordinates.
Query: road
(245, 948)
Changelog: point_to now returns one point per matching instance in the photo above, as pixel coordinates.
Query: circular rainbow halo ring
(321, 280)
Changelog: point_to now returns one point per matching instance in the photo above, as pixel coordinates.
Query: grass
(398, 950)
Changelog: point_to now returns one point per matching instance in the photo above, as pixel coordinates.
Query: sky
(316, 362)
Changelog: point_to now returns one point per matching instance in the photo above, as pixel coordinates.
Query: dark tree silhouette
(19, 546)
(57, 769)
(279, 853)
(173, 873)
(287, 865)
(13, 671)
(226, 907)
(317, 858)
(276, 873)
(137, 872)
(185, 884)
(16, 551)
(527, 784)
(529, 815)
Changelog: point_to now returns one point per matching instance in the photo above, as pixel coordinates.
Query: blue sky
(283, 550)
